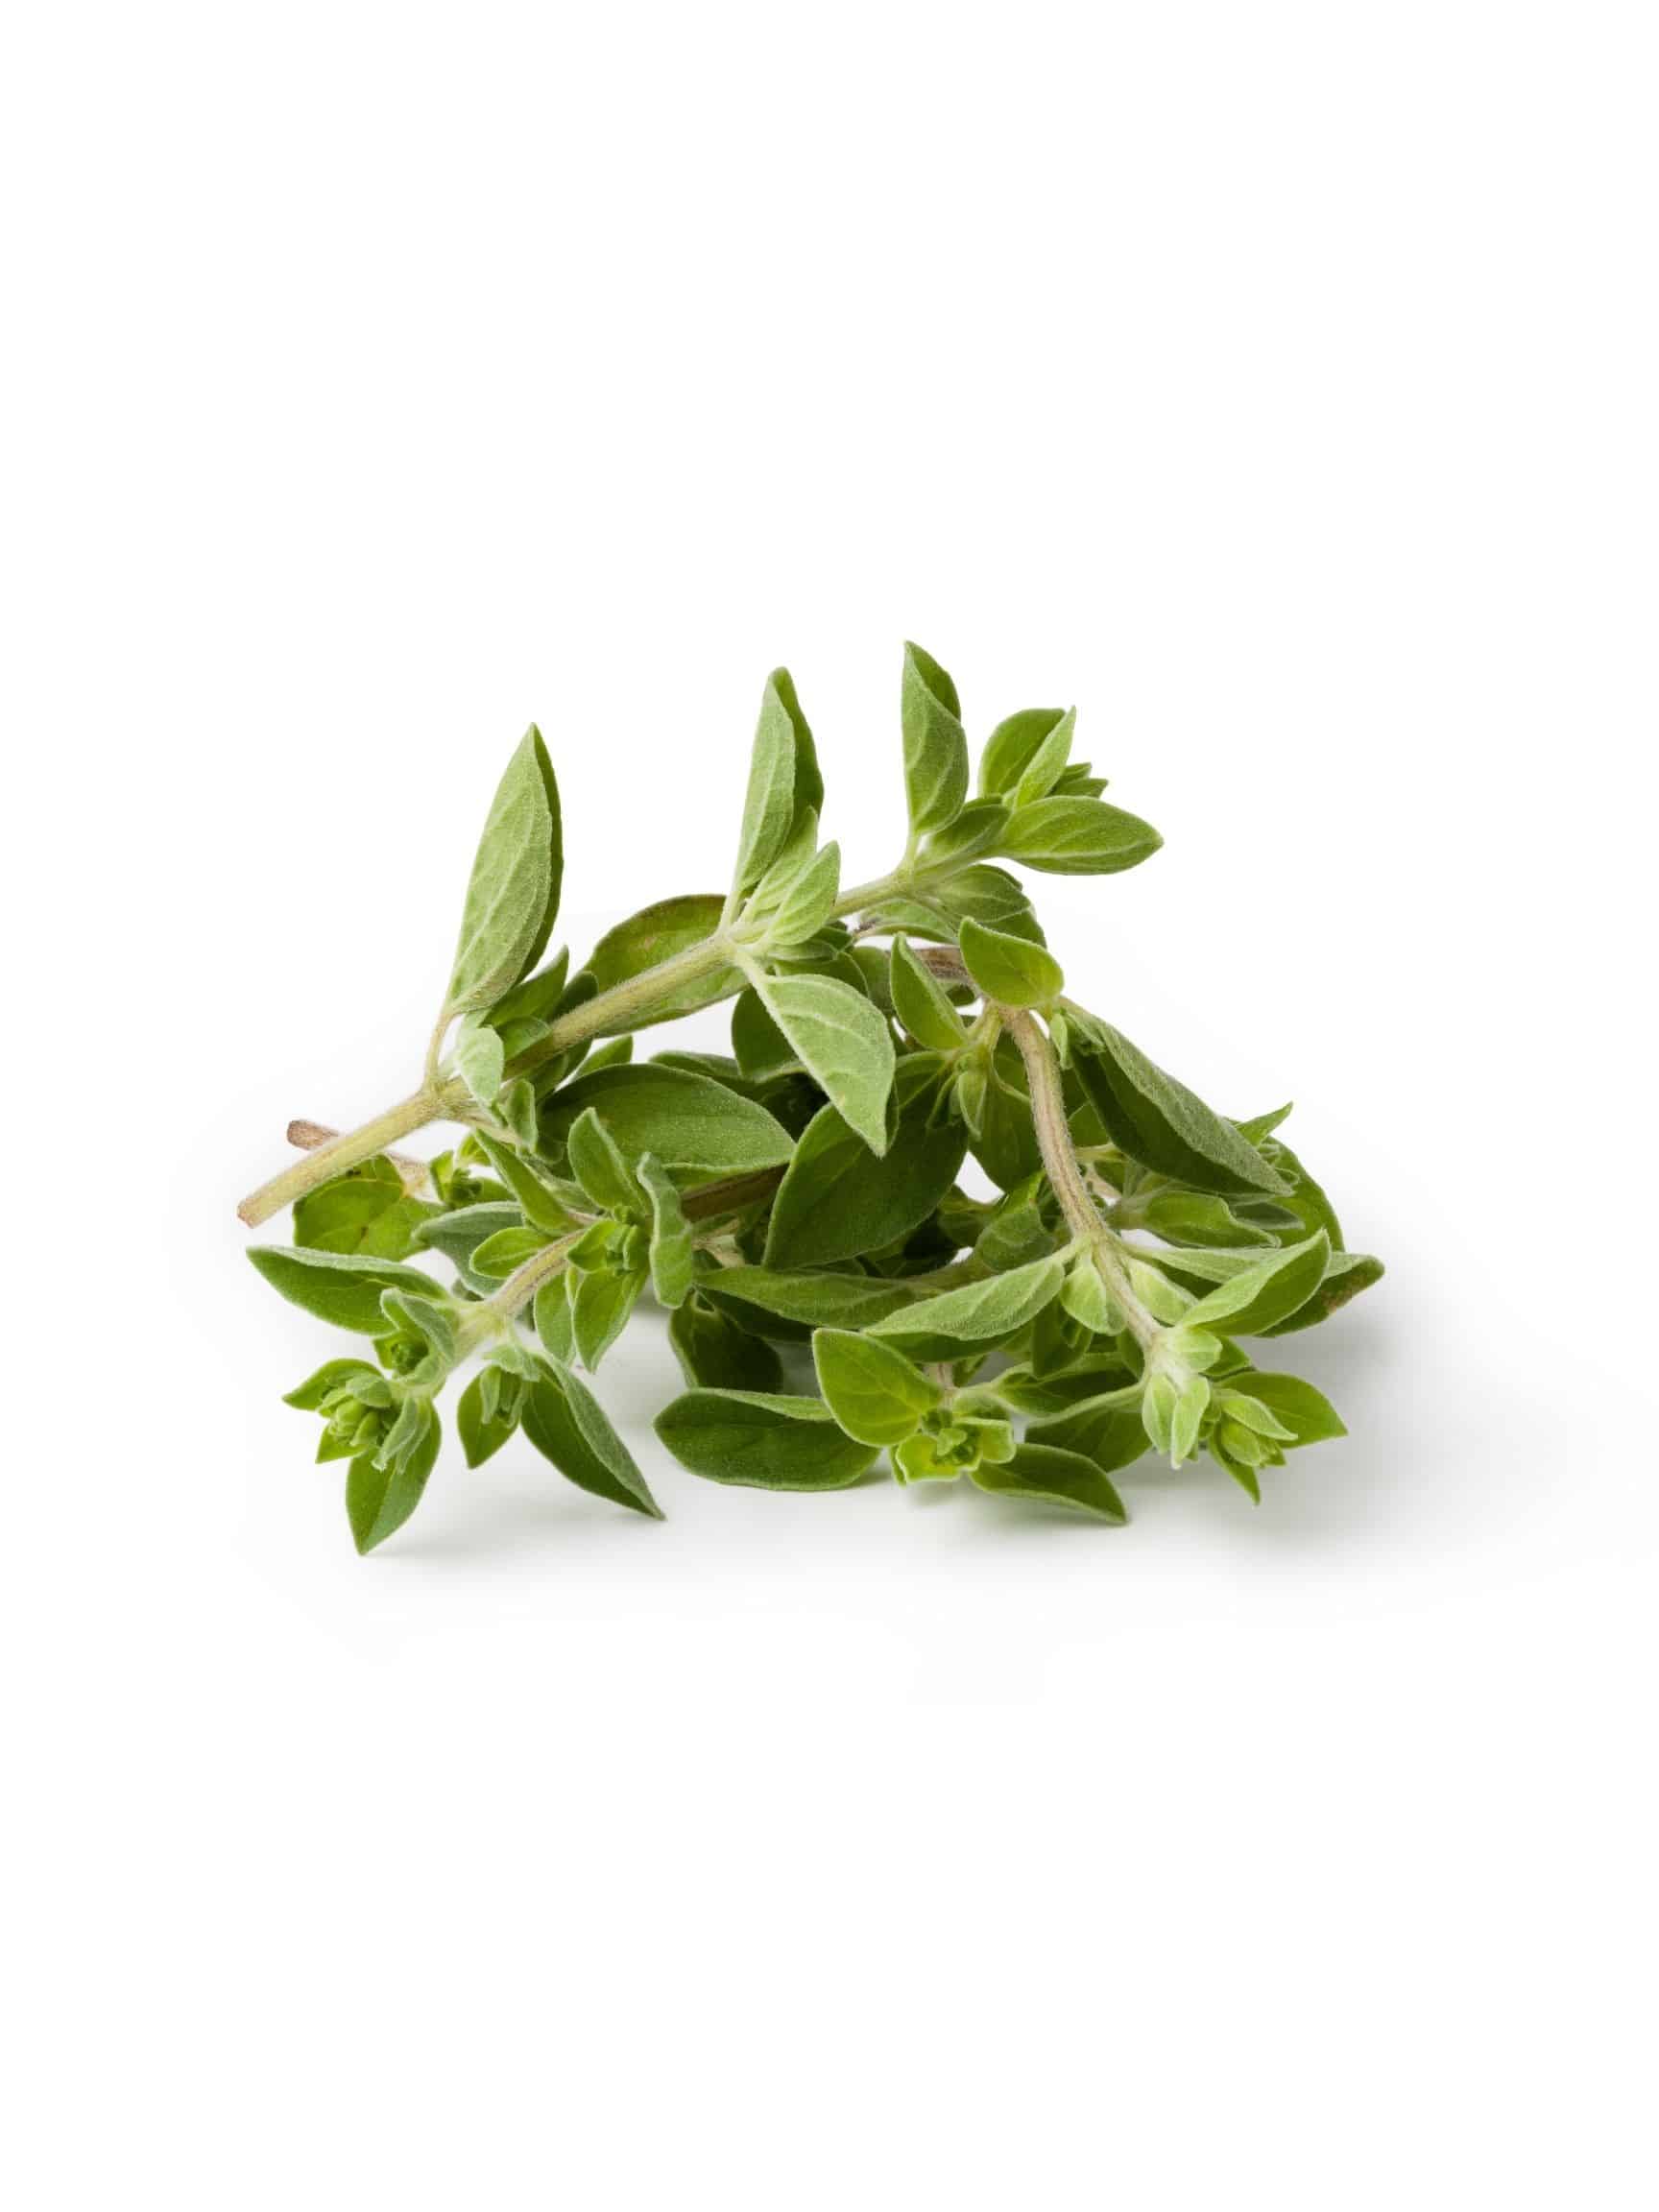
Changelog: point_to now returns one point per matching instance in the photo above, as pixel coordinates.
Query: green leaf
(509, 1248)
(1158, 1120)
(1302, 1195)
(480, 1061)
(379, 1500)
(1265, 1292)
(568, 1425)
(874, 1392)
(544, 1206)
(761, 1440)
(977, 829)
(516, 1105)
(977, 1313)
(600, 1308)
(1007, 968)
(1305, 1413)
(1108, 1435)
(671, 1251)
(482, 1433)
(809, 1301)
(714, 1350)
(1055, 1478)
(458, 1234)
(1346, 1275)
(1191, 1407)
(366, 1210)
(695, 1126)
(837, 1202)
(343, 1287)
(308, 1396)
(935, 746)
(554, 1321)
(514, 893)
(1087, 1298)
(810, 901)
(784, 784)
(1195, 1217)
(598, 1164)
(988, 894)
(1078, 837)
(1005, 1142)
(655, 934)
(763, 1051)
(922, 1002)
(842, 1041)
(769, 803)
(1025, 755)
(531, 1002)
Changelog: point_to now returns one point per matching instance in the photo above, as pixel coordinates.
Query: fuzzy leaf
(1269, 1290)
(343, 1287)
(809, 1300)
(922, 1003)
(761, 1440)
(1158, 1120)
(875, 1393)
(600, 1308)
(598, 1164)
(367, 1210)
(977, 1313)
(810, 899)
(671, 1251)
(482, 1433)
(568, 1425)
(513, 896)
(308, 1396)
(784, 781)
(1346, 1275)
(837, 1202)
(716, 1352)
(935, 747)
(1025, 755)
(1055, 1478)
(480, 1061)
(1305, 1413)
(842, 1041)
(695, 1126)
(1078, 837)
(379, 1500)
(1007, 968)
(659, 934)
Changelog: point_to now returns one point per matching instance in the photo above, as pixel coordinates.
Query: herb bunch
(833, 1293)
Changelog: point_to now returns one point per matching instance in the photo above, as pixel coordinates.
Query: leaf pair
(880, 1398)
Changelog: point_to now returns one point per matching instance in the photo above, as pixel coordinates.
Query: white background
(1276, 382)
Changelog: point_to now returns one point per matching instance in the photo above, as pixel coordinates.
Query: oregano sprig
(834, 1294)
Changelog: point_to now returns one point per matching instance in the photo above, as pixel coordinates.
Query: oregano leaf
(842, 1041)
(513, 896)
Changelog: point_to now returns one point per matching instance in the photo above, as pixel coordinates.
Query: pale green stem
(609, 1013)
(340, 1153)
(496, 1313)
(1064, 1174)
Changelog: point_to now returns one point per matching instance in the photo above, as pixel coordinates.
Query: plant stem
(1065, 1173)
(340, 1153)
(609, 1013)
(522, 1285)
(307, 1136)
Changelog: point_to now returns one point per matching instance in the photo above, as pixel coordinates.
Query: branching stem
(609, 1012)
